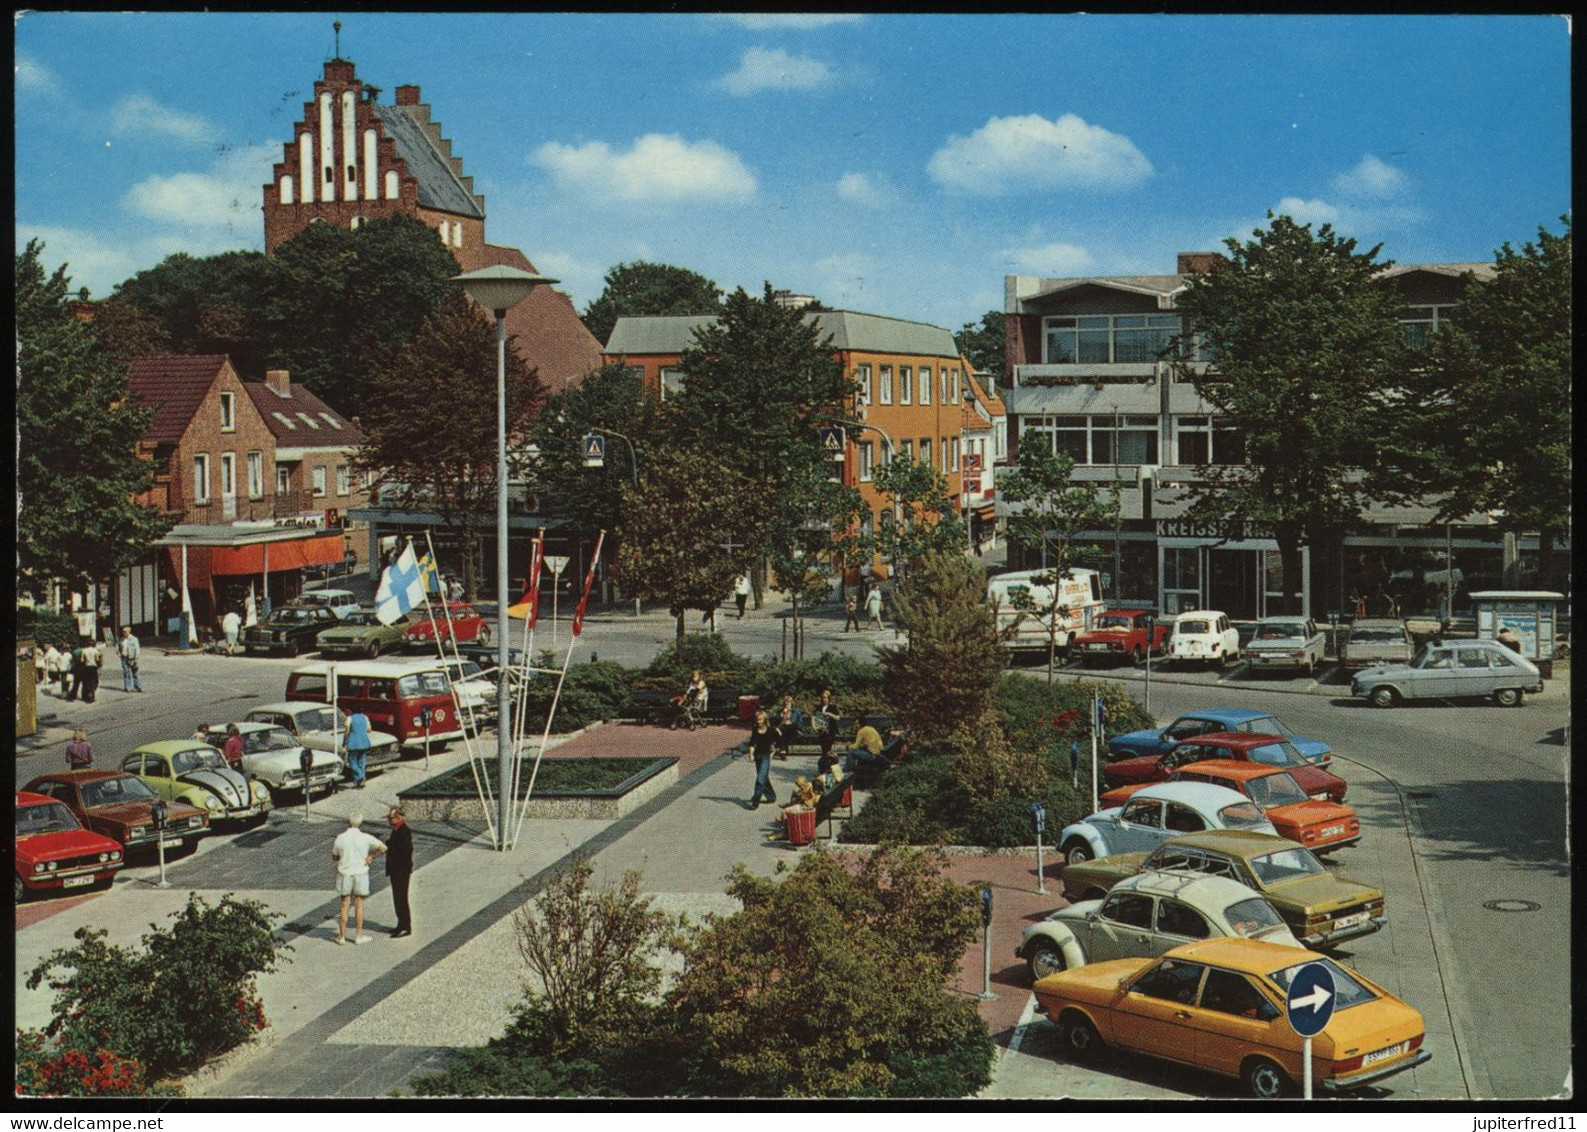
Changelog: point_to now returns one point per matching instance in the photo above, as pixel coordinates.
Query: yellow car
(1219, 1005)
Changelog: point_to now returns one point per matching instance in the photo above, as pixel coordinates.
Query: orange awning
(293, 554)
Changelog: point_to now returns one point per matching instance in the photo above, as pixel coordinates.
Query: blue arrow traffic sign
(1310, 1001)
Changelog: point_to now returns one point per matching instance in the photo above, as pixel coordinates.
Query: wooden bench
(866, 774)
(654, 705)
(840, 798)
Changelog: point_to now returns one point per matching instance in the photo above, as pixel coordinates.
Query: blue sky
(900, 165)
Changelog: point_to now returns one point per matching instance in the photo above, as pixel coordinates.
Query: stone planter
(602, 805)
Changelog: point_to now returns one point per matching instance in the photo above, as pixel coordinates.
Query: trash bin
(801, 825)
(747, 707)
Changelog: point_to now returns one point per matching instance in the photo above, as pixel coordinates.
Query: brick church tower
(353, 160)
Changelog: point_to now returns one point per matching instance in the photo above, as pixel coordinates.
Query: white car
(339, 602)
(274, 756)
(1287, 642)
(1155, 814)
(476, 693)
(315, 726)
(1204, 636)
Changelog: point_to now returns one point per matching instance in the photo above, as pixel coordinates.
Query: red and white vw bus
(396, 695)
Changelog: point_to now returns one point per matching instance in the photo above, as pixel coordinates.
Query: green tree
(340, 304)
(835, 982)
(447, 460)
(949, 670)
(77, 438)
(678, 525)
(1307, 351)
(1050, 512)
(819, 527)
(642, 288)
(126, 332)
(1487, 424)
(984, 344)
(918, 517)
(206, 304)
(188, 994)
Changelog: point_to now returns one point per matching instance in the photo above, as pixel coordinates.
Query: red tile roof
(550, 334)
(175, 385)
(343, 433)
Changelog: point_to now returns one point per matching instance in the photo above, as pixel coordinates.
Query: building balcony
(243, 509)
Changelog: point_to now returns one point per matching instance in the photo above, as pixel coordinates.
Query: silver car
(1293, 643)
(1144, 916)
(1376, 640)
(1156, 813)
(1451, 670)
(317, 726)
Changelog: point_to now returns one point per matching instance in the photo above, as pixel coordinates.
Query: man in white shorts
(353, 850)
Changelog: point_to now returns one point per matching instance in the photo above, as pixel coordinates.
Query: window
(925, 450)
(1183, 819)
(1202, 440)
(925, 385)
(1421, 323)
(862, 375)
(1228, 992)
(1252, 916)
(1136, 436)
(1101, 339)
(319, 480)
(885, 378)
(255, 474)
(906, 450)
(1144, 812)
(866, 454)
(228, 412)
(283, 479)
(344, 480)
(956, 448)
(1172, 979)
(954, 386)
(1129, 908)
(906, 386)
(671, 383)
(1174, 918)
(201, 478)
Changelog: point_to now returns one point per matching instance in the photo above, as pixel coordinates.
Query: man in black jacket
(399, 870)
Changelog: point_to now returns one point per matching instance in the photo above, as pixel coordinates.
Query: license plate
(1352, 921)
(1383, 1054)
(1098, 648)
(1332, 831)
(76, 882)
(171, 843)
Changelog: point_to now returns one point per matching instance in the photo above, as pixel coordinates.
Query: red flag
(589, 580)
(528, 606)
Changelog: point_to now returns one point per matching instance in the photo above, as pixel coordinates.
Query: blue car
(1157, 741)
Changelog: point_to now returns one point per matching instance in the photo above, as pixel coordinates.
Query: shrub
(46, 1070)
(851, 679)
(47, 627)
(918, 802)
(188, 995)
(706, 651)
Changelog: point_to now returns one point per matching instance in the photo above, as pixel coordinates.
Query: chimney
(408, 94)
(1199, 263)
(280, 381)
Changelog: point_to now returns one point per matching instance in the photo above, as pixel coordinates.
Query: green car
(186, 770)
(360, 634)
(1320, 908)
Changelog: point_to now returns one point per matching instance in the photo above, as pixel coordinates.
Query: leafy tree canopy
(642, 288)
(918, 493)
(180, 292)
(77, 436)
(983, 344)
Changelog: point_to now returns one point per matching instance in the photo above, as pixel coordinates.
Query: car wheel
(1384, 697)
(1508, 697)
(1137, 658)
(1080, 1037)
(1077, 851)
(20, 890)
(293, 648)
(1045, 958)
(1264, 1080)
(1311, 668)
(374, 649)
(484, 635)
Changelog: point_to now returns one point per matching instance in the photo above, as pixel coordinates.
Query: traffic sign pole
(1309, 1005)
(1305, 1060)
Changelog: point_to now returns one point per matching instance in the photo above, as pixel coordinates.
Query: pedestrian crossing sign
(594, 451)
(832, 442)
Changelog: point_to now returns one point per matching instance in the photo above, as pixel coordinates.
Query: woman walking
(762, 740)
(79, 752)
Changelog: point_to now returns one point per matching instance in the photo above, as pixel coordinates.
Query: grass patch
(598, 776)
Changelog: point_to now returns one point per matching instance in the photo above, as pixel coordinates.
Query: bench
(840, 798)
(866, 774)
(806, 736)
(654, 705)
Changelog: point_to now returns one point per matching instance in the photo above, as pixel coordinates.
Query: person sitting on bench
(804, 796)
(866, 752)
(825, 721)
(789, 720)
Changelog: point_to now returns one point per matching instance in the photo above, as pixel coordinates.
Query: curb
(203, 1080)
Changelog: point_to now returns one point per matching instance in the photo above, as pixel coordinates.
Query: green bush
(708, 652)
(47, 627)
(918, 803)
(853, 680)
(607, 679)
(955, 1065)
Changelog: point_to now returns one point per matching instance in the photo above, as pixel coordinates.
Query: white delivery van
(1078, 594)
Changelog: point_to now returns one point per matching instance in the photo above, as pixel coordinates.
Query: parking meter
(1038, 818)
(986, 907)
(1038, 821)
(1074, 763)
(986, 943)
(157, 814)
(425, 715)
(306, 761)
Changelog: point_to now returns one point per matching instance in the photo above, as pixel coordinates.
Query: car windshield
(1277, 754)
(422, 684)
(289, 616)
(1279, 632)
(116, 791)
(270, 739)
(1252, 916)
(1424, 657)
(1241, 815)
(1376, 636)
(1286, 864)
(1116, 621)
(1263, 725)
(1275, 790)
(1348, 990)
(197, 758)
(360, 617)
(51, 817)
(1185, 628)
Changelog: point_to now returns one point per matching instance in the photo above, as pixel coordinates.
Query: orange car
(1320, 826)
(1220, 1005)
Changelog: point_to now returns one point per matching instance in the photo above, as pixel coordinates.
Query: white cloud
(864, 189)
(1307, 211)
(35, 76)
(1360, 221)
(789, 21)
(1030, 152)
(1053, 261)
(228, 196)
(659, 167)
(138, 115)
(762, 69)
(578, 277)
(100, 259)
(1371, 178)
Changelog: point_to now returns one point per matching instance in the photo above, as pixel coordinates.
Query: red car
(1320, 826)
(1270, 750)
(54, 851)
(120, 806)
(1118, 635)
(466, 625)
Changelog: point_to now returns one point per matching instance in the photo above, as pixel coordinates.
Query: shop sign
(1211, 529)
(315, 520)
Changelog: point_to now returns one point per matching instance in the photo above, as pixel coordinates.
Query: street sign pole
(1305, 1061)
(1309, 1005)
(986, 944)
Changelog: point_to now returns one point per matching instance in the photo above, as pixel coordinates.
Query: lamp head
(500, 288)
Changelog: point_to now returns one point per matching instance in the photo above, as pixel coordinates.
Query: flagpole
(1096, 713)
(521, 696)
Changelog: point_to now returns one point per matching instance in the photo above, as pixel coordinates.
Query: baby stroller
(688, 710)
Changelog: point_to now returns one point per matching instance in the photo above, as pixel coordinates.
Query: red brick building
(353, 159)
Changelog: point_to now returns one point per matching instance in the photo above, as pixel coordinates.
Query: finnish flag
(401, 588)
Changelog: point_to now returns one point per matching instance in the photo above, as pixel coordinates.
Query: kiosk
(1529, 614)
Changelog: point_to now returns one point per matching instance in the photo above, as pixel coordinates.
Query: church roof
(439, 186)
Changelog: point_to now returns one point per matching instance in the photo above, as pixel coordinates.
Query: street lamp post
(633, 466)
(499, 289)
(898, 507)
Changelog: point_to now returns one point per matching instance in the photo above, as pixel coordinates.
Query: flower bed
(599, 788)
